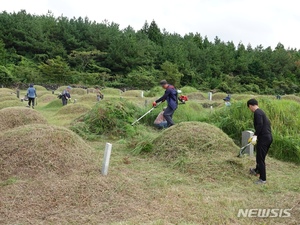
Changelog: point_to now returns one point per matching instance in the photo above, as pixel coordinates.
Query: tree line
(61, 50)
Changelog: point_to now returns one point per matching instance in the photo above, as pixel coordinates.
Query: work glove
(253, 140)
(154, 104)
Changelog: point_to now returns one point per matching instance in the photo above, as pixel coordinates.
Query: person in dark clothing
(31, 95)
(172, 100)
(263, 137)
(66, 95)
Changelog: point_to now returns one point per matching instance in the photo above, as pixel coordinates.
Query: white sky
(265, 22)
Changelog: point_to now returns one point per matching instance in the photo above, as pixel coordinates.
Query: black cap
(163, 82)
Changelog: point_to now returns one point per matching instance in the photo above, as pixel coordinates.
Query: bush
(111, 118)
(284, 118)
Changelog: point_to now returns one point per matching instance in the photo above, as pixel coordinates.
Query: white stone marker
(210, 96)
(245, 136)
(106, 158)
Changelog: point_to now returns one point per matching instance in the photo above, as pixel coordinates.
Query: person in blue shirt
(31, 94)
(172, 100)
(66, 95)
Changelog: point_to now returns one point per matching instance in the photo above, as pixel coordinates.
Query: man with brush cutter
(263, 137)
(172, 100)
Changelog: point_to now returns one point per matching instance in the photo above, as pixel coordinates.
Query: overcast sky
(265, 22)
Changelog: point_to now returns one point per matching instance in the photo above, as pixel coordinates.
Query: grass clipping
(193, 146)
(18, 116)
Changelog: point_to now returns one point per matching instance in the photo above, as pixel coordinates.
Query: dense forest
(44, 49)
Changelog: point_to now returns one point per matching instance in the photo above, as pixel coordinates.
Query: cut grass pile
(18, 116)
(195, 145)
(109, 117)
(32, 151)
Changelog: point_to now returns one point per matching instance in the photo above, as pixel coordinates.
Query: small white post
(106, 158)
(210, 96)
(142, 94)
(245, 136)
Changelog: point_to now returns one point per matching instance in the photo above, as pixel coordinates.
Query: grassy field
(187, 174)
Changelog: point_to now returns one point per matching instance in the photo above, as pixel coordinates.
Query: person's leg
(29, 101)
(168, 113)
(262, 150)
(64, 101)
(33, 102)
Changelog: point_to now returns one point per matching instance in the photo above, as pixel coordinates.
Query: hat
(30, 85)
(227, 98)
(69, 87)
(163, 82)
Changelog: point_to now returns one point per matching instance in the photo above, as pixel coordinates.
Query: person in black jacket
(171, 97)
(263, 137)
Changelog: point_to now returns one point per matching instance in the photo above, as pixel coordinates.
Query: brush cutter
(243, 149)
(145, 114)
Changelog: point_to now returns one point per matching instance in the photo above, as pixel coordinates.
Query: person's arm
(164, 97)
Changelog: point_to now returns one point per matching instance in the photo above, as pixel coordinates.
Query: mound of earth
(73, 109)
(196, 147)
(42, 150)
(10, 103)
(111, 91)
(8, 97)
(132, 93)
(195, 96)
(47, 98)
(7, 91)
(18, 116)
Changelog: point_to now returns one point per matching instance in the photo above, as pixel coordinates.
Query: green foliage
(60, 50)
(171, 73)
(188, 89)
(141, 78)
(284, 118)
(55, 70)
(111, 118)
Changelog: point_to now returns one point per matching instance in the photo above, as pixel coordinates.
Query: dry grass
(8, 98)
(111, 91)
(218, 96)
(16, 116)
(7, 91)
(50, 176)
(91, 97)
(11, 103)
(196, 96)
(39, 88)
(132, 93)
(190, 142)
(77, 109)
(291, 97)
(46, 98)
